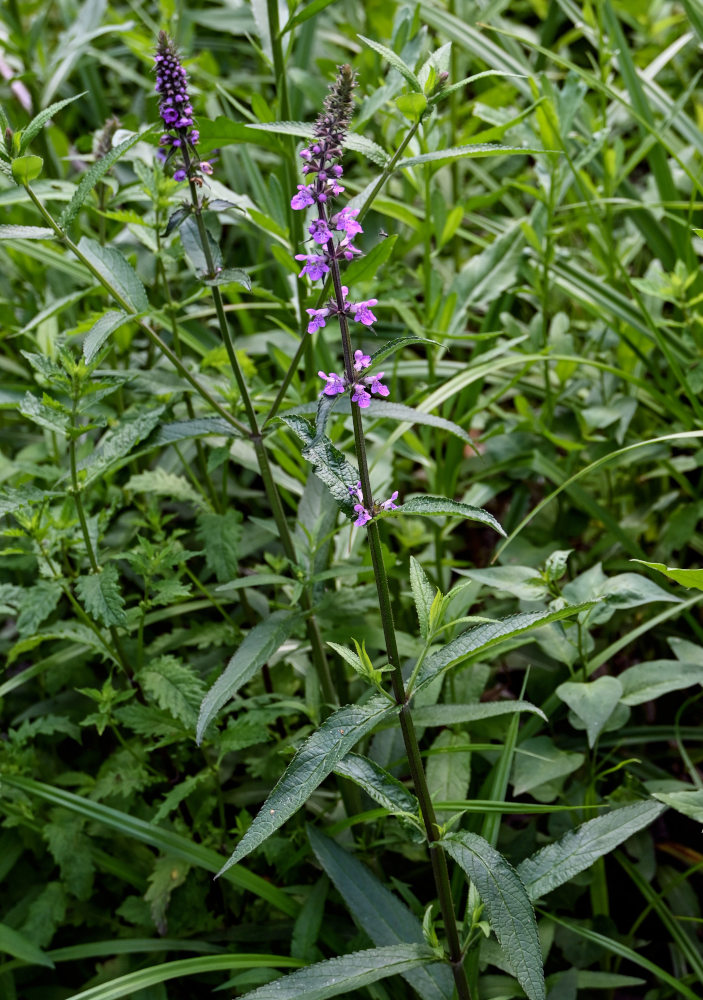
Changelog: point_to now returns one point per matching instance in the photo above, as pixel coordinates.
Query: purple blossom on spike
(315, 267)
(335, 383)
(388, 504)
(361, 312)
(361, 361)
(345, 222)
(303, 198)
(319, 231)
(176, 112)
(360, 395)
(317, 319)
(374, 381)
(363, 515)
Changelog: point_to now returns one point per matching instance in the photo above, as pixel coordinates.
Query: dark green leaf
(397, 344)
(15, 944)
(455, 715)
(117, 272)
(101, 596)
(378, 784)
(221, 534)
(436, 506)
(328, 463)
(366, 268)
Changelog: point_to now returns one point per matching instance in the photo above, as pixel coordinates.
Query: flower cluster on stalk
(180, 139)
(333, 234)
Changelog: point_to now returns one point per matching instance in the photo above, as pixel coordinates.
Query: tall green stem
(437, 855)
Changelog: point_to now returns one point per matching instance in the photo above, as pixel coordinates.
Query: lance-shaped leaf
(379, 912)
(482, 637)
(365, 268)
(110, 321)
(258, 647)
(396, 62)
(11, 232)
(378, 784)
(454, 715)
(17, 945)
(38, 123)
(328, 463)
(577, 850)
(397, 344)
(507, 906)
(346, 974)
(310, 766)
(477, 150)
(434, 506)
(423, 595)
(117, 272)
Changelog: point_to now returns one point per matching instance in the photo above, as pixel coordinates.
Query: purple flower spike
(361, 396)
(388, 504)
(303, 198)
(362, 312)
(361, 361)
(377, 385)
(315, 267)
(364, 516)
(317, 319)
(320, 231)
(335, 383)
(345, 222)
(176, 113)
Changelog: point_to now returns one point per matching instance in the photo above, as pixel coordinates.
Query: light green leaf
(45, 412)
(312, 763)
(423, 595)
(258, 647)
(166, 484)
(455, 715)
(521, 581)
(507, 906)
(174, 687)
(101, 596)
(482, 637)
(411, 105)
(480, 149)
(395, 61)
(221, 535)
(687, 803)
(577, 850)
(438, 506)
(386, 920)
(26, 169)
(647, 681)
(181, 430)
(592, 701)
(26, 233)
(114, 448)
(397, 344)
(686, 577)
(307, 11)
(14, 498)
(381, 786)
(36, 604)
(448, 772)
(40, 120)
(115, 269)
(95, 173)
(539, 767)
(101, 330)
(15, 944)
(366, 268)
(346, 974)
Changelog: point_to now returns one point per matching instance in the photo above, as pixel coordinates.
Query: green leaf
(480, 149)
(455, 715)
(258, 647)
(306, 929)
(174, 687)
(328, 464)
(45, 412)
(101, 596)
(95, 173)
(192, 244)
(14, 498)
(70, 847)
(117, 272)
(411, 105)
(182, 430)
(448, 772)
(397, 344)
(36, 604)
(307, 11)
(38, 122)
(229, 276)
(345, 974)
(686, 577)
(592, 701)
(381, 786)
(386, 920)
(685, 802)
(159, 482)
(26, 169)
(221, 535)
(436, 506)
(423, 595)
(539, 768)
(15, 944)
(647, 681)
(366, 268)
(114, 448)
(578, 849)
(507, 906)
(521, 581)
(101, 330)
(395, 61)
(482, 637)
(312, 763)
(26, 233)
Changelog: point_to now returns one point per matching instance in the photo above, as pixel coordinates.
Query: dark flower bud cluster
(176, 112)
(102, 144)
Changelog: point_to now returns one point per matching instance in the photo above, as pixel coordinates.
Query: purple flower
(317, 319)
(374, 381)
(361, 361)
(303, 198)
(364, 516)
(360, 395)
(335, 383)
(176, 111)
(315, 267)
(361, 312)
(320, 231)
(346, 249)
(355, 491)
(179, 175)
(345, 222)
(388, 504)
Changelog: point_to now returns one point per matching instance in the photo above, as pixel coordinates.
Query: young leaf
(174, 687)
(592, 701)
(378, 784)
(435, 506)
(346, 974)
(221, 535)
(312, 763)
(578, 849)
(379, 913)
(507, 905)
(38, 122)
(423, 595)
(116, 270)
(15, 944)
(26, 169)
(686, 577)
(258, 647)
(396, 62)
(101, 595)
(110, 321)
(477, 640)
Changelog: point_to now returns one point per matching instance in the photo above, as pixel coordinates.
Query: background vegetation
(562, 289)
